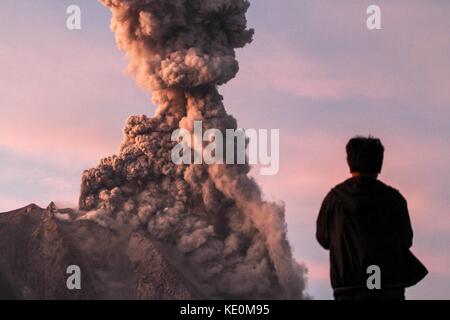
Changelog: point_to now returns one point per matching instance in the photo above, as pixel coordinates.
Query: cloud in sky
(326, 43)
(314, 72)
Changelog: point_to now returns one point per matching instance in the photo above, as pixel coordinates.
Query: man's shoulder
(389, 187)
(392, 191)
(342, 185)
(380, 187)
(338, 190)
(345, 186)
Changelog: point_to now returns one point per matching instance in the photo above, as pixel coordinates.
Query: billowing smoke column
(228, 240)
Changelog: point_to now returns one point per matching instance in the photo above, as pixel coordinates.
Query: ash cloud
(226, 238)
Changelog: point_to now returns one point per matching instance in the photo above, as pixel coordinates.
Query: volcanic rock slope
(36, 249)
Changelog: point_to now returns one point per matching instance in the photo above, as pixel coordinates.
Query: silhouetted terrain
(36, 249)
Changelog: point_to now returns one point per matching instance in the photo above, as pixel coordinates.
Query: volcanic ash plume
(225, 238)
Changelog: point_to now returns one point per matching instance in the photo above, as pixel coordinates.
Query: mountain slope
(36, 248)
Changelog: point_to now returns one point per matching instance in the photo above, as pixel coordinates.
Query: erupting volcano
(209, 222)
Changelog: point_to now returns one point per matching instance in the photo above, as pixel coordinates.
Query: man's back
(364, 222)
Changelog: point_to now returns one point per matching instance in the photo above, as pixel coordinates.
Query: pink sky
(314, 72)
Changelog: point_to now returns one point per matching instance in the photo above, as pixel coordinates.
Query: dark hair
(365, 154)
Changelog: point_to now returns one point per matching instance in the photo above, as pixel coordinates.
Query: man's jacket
(364, 222)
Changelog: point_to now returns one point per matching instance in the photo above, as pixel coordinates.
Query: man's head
(365, 156)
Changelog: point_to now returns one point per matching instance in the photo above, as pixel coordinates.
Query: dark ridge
(36, 249)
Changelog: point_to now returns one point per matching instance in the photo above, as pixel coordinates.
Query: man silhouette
(365, 223)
